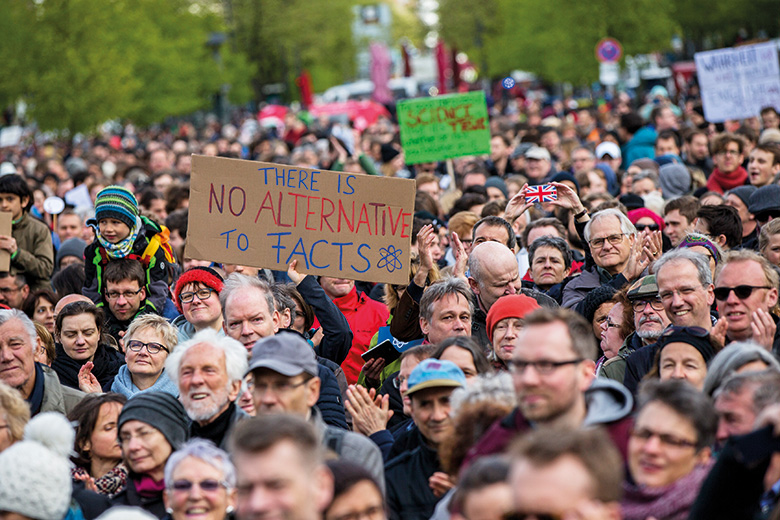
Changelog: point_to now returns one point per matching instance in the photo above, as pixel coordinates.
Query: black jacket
(337, 338)
(409, 497)
(130, 497)
(330, 403)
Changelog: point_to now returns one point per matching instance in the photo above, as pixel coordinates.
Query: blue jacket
(641, 146)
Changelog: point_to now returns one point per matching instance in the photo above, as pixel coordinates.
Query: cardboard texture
(443, 127)
(337, 224)
(5, 230)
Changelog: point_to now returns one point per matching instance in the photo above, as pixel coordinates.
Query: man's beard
(208, 408)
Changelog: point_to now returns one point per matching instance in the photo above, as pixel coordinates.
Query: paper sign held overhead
(5, 230)
(736, 83)
(443, 127)
(266, 215)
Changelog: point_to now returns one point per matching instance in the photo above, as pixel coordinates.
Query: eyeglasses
(8, 290)
(543, 367)
(598, 243)
(742, 291)
(639, 305)
(208, 485)
(397, 380)
(666, 439)
(730, 152)
(611, 325)
(113, 295)
(142, 435)
(682, 291)
(280, 388)
(642, 227)
(151, 347)
(202, 294)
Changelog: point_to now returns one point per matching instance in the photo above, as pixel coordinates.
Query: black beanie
(594, 299)
(160, 410)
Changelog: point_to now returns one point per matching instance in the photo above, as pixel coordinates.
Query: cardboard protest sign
(737, 83)
(336, 224)
(443, 127)
(5, 230)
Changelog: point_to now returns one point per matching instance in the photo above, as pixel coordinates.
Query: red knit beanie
(205, 275)
(510, 306)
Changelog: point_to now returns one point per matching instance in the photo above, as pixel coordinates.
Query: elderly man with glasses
(618, 257)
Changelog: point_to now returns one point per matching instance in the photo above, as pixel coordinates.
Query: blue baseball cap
(435, 373)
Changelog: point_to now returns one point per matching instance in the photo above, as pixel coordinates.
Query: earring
(169, 510)
(229, 509)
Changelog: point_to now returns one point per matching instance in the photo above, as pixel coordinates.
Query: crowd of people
(613, 353)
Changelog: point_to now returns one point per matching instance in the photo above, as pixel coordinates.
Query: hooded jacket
(608, 404)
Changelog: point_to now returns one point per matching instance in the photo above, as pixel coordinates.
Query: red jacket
(365, 316)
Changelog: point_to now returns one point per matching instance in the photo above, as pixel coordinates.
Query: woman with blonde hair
(14, 415)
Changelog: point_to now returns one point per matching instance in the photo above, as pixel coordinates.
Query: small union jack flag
(543, 193)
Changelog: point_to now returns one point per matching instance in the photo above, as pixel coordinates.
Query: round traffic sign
(608, 49)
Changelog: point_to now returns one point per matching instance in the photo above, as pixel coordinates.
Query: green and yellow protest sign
(443, 127)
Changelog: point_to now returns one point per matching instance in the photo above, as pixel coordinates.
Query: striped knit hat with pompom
(117, 203)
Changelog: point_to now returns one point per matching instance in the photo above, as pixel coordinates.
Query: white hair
(626, 227)
(236, 362)
(29, 326)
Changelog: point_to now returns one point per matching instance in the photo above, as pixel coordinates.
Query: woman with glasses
(668, 451)
(196, 296)
(98, 457)
(151, 426)
(200, 481)
(83, 360)
(614, 331)
(683, 353)
(148, 342)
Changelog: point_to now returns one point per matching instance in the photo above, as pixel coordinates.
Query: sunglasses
(209, 485)
(642, 227)
(742, 291)
(766, 216)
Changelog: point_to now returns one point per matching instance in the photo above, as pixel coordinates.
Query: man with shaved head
(493, 273)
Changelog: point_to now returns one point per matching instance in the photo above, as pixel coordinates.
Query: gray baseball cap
(286, 353)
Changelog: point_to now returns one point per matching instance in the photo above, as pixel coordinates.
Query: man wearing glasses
(728, 154)
(746, 291)
(285, 380)
(125, 293)
(611, 237)
(650, 320)
(553, 372)
(685, 287)
(13, 289)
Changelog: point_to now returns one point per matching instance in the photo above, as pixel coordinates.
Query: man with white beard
(208, 369)
(650, 320)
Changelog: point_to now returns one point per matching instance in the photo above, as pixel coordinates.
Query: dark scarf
(216, 430)
(106, 360)
(670, 502)
(36, 396)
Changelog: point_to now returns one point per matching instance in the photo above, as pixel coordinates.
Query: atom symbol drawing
(389, 258)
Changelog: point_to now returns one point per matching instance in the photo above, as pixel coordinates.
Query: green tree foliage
(78, 62)
(556, 38)
(283, 37)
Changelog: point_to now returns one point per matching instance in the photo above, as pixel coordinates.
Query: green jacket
(34, 256)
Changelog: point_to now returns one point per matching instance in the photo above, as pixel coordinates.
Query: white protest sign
(736, 83)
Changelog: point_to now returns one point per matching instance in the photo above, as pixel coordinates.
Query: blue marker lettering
(368, 264)
(278, 245)
(341, 252)
(311, 255)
